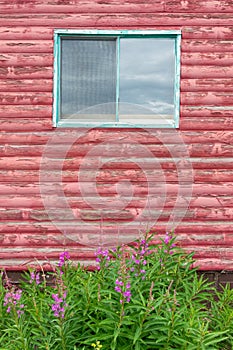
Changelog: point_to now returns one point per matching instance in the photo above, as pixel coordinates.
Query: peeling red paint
(206, 125)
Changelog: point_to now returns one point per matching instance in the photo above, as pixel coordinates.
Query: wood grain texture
(206, 129)
(202, 71)
(9, 112)
(113, 6)
(15, 73)
(98, 135)
(26, 85)
(209, 85)
(25, 98)
(75, 154)
(12, 61)
(26, 46)
(25, 124)
(214, 205)
(129, 20)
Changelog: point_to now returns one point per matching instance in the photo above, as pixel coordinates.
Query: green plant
(141, 296)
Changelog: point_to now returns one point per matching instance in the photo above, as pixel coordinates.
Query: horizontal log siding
(206, 125)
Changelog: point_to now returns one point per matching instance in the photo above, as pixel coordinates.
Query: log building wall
(206, 125)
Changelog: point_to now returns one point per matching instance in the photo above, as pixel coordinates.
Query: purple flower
(35, 277)
(136, 261)
(119, 283)
(167, 238)
(63, 256)
(20, 311)
(102, 255)
(11, 299)
(59, 305)
(124, 289)
(127, 293)
(142, 252)
(105, 253)
(18, 294)
(8, 309)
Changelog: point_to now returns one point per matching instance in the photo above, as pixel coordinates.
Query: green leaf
(137, 334)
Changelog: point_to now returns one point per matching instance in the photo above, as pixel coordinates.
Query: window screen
(88, 79)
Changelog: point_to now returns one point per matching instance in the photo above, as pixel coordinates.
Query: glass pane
(147, 72)
(88, 79)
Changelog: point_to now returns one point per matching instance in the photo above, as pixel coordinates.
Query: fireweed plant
(141, 296)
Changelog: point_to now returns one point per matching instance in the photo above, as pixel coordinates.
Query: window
(116, 78)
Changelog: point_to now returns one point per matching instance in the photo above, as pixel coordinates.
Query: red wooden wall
(206, 125)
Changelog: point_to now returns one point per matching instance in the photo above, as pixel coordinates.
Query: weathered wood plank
(26, 85)
(27, 60)
(141, 20)
(72, 192)
(206, 32)
(159, 177)
(46, 33)
(25, 169)
(214, 264)
(207, 123)
(24, 175)
(99, 135)
(210, 58)
(206, 46)
(218, 194)
(24, 111)
(212, 252)
(197, 112)
(26, 124)
(118, 160)
(25, 72)
(33, 208)
(29, 241)
(201, 72)
(26, 33)
(26, 98)
(205, 98)
(43, 228)
(95, 6)
(117, 217)
(26, 46)
(203, 85)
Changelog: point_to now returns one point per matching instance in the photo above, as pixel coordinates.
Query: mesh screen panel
(88, 79)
